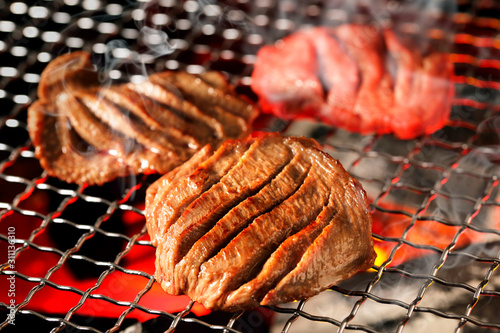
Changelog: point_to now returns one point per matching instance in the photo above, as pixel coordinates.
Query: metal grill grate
(80, 251)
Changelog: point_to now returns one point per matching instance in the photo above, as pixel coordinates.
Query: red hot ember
(357, 78)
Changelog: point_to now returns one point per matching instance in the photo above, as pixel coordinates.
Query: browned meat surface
(62, 155)
(171, 204)
(203, 93)
(231, 114)
(283, 260)
(202, 214)
(158, 190)
(278, 190)
(87, 133)
(277, 222)
(358, 78)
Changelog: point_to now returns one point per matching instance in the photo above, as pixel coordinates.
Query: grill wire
(409, 182)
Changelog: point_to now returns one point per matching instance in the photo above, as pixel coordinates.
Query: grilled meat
(260, 221)
(85, 132)
(357, 78)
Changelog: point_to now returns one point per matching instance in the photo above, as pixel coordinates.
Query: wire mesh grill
(79, 251)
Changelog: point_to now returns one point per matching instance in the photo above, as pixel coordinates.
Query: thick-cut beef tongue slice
(147, 126)
(227, 270)
(174, 202)
(231, 244)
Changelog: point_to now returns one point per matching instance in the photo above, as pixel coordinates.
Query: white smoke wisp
(125, 63)
(119, 53)
(156, 41)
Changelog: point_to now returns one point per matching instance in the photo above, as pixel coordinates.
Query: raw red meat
(355, 77)
(293, 92)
